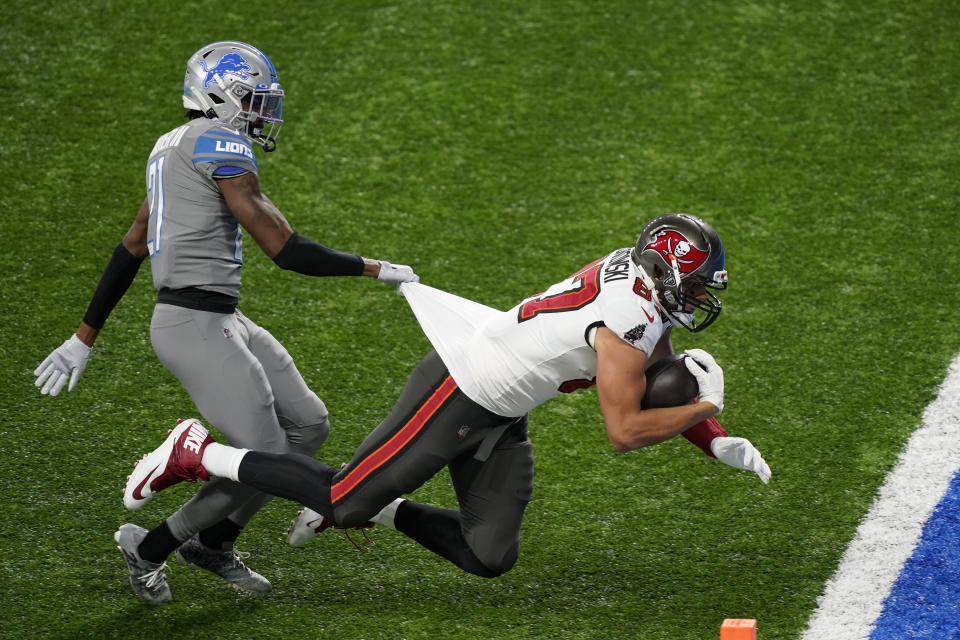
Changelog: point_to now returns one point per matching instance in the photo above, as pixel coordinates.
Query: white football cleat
(177, 459)
(309, 523)
(305, 526)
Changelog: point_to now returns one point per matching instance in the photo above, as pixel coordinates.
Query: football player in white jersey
(465, 405)
(203, 191)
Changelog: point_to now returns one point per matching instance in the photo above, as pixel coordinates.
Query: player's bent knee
(309, 438)
(494, 565)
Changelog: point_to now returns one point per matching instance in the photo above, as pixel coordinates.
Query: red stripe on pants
(396, 443)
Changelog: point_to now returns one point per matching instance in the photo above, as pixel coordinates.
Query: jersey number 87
(574, 293)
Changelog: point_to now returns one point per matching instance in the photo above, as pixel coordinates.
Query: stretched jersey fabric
(509, 362)
(192, 237)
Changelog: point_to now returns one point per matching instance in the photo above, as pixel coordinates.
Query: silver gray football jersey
(193, 238)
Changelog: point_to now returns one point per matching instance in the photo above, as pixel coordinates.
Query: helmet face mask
(681, 259)
(236, 83)
(263, 116)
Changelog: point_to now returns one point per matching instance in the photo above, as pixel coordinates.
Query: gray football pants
(246, 385)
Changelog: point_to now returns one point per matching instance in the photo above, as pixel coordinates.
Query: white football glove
(396, 273)
(740, 453)
(64, 363)
(709, 376)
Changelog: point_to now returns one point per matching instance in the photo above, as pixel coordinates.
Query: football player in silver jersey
(202, 190)
(465, 405)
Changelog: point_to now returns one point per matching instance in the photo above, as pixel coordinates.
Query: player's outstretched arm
(292, 251)
(741, 454)
(65, 364)
(736, 452)
(621, 383)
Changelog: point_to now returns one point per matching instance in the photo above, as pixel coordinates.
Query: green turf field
(496, 146)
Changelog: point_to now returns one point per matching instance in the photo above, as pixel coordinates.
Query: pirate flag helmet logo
(680, 257)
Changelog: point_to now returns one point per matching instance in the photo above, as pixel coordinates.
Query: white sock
(222, 461)
(386, 515)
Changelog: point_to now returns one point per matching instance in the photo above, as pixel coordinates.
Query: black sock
(292, 476)
(439, 531)
(158, 544)
(221, 536)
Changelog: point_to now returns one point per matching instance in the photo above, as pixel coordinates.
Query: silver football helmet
(681, 260)
(236, 83)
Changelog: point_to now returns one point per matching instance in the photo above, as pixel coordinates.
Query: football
(669, 383)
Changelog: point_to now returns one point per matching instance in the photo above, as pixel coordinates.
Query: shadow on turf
(176, 620)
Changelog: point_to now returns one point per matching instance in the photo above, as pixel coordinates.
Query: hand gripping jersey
(193, 238)
(512, 361)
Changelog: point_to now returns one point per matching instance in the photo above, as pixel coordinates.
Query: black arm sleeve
(116, 279)
(313, 259)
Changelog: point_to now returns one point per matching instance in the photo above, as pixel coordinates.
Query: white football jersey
(512, 361)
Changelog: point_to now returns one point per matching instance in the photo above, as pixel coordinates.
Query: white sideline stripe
(853, 598)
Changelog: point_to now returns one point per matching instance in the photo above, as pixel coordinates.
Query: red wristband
(703, 433)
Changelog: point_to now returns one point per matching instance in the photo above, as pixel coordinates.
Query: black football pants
(432, 425)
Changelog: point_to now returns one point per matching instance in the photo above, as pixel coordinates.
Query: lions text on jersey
(192, 237)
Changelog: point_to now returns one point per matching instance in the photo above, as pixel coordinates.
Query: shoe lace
(362, 528)
(238, 556)
(233, 557)
(155, 578)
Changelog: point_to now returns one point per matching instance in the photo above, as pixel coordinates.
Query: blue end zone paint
(900, 576)
(925, 600)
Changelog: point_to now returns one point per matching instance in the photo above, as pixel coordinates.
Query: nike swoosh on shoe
(136, 490)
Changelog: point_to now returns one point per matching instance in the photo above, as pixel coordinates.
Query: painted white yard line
(854, 596)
